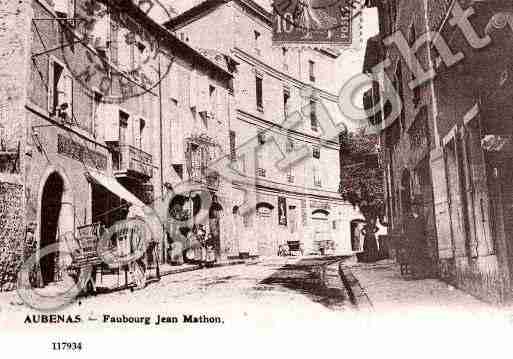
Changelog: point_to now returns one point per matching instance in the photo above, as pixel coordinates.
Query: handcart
(123, 240)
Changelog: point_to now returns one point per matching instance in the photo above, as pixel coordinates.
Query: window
(290, 174)
(284, 52)
(123, 127)
(260, 160)
(124, 49)
(286, 98)
(138, 50)
(61, 93)
(316, 175)
(256, 35)
(313, 115)
(233, 152)
(259, 93)
(213, 100)
(289, 146)
(140, 136)
(261, 137)
(241, 163)
(316, 152)
(311, 70)
(96, 112)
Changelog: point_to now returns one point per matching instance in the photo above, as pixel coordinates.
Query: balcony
(131, 161)
(317, 182)
(210, 180)
(290, 178)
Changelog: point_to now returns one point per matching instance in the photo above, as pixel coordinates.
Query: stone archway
(56, 217)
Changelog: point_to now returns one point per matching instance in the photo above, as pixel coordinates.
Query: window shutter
(68, 94)
(110, 119)
(468, 192)
(173, 84)
(219, 104)
(124, 55)
(203, 93)
(481, 203)
(441, 205)
(193, 89)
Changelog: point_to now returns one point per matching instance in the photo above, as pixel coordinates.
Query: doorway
(51, 212)
(215, 226)
(266, 244)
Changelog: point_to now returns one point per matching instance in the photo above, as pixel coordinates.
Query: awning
(111, 184)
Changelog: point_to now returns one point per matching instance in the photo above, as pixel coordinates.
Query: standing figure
(370, 244)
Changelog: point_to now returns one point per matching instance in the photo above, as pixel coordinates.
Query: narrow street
(267, 291)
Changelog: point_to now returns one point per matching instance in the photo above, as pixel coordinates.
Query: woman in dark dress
(370, 244)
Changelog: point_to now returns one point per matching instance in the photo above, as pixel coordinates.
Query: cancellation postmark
(334, 24)
(119, 58)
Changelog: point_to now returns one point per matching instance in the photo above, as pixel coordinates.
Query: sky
(347, 65)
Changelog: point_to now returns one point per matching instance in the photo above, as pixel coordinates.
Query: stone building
(273, 88)
(92, 124)
(450, 144)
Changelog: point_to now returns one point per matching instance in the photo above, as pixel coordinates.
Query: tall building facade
(91, 125)
(450, 144)
(273, 88)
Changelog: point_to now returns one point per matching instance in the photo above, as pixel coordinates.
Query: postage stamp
(319, 23)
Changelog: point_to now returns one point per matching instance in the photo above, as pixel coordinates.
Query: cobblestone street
(263, 293)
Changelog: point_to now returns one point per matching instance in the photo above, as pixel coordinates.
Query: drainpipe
(160, 135)
(164, 242)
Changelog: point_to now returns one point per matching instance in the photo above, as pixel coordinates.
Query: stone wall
(12, 234)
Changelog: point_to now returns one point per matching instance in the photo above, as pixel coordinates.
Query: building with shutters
(273, 205)
(451, 142)
(91, 125)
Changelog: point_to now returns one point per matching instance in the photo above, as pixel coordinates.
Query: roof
(171, 39)
(208, 5)
(221, 59)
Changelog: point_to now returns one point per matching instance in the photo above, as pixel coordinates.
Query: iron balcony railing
(130, 159)
(200, 175)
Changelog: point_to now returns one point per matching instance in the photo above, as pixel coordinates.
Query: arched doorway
(56, 218)
(321, 231)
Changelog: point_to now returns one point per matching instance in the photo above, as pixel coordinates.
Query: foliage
(361, 179)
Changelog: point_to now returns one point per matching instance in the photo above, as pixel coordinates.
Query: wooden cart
(125, 241)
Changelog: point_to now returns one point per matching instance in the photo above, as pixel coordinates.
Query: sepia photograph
(256, 177)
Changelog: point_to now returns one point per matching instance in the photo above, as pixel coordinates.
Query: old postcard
(256, 177)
